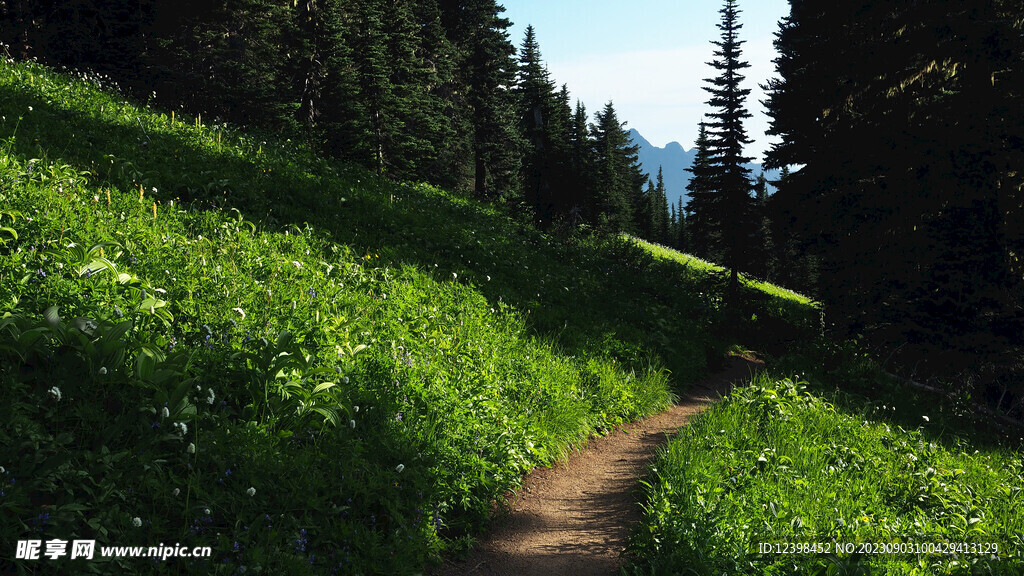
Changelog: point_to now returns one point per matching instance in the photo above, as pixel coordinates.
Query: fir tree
(539, 108)
(581, 162)
(486, 68)
(703, 226)
(731, 210)
(619, 181)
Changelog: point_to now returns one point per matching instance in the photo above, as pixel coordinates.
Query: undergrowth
(217, 339)
(774, 466)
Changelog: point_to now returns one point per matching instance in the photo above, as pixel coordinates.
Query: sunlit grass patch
(773, 464)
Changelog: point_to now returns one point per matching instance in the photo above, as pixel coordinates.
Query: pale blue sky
(649, 57)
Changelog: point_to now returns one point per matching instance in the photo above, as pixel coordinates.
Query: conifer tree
(682, 236)
(539, 106)
(731, 211)
(703, 226)
(619, 180)
(899, 116)
(661, 207)
(486, 68)
(581, 162)
(646, 216)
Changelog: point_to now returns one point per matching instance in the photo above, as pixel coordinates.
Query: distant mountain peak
(674, 160)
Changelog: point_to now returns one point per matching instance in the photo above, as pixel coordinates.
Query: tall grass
(773, 466)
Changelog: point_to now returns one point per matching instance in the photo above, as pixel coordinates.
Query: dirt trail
(575, 517)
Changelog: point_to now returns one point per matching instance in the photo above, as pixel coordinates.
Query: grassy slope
(190, 312)
(775, 463)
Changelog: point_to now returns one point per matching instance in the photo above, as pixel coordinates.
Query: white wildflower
(251, 491)
(165, 413)
(191, 448)
(399, 468)
(181, 428)
(210, 397)
(137, 522)
(351, 423)
(925, 418)
(175, 492)
(103, 371)
(55, 393)
(240, 312)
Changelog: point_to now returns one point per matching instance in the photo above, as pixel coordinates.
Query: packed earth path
(575, 517)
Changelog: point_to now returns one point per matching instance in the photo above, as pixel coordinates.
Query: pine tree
(646, 215)
(322, 65)
(540, 109)
(661, 207)
(581, 163)
(682, 238)
(619, 180)
(703, 225)
(486, 68)
(900, 118)
(731, 211)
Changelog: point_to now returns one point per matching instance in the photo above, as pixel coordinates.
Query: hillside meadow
(216, 338)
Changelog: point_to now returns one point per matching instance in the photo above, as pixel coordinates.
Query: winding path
(575, 517)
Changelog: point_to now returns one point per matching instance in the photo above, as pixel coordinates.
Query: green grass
(774, 463)
(769, 317)
(219, 339)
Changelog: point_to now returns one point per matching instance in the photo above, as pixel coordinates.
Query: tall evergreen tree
(905, 122)
(731, 211)
(682, 236)
(661, 207)
(704, 226)
(619, 180)
(486, 68)
(541, 110)
(581, 162)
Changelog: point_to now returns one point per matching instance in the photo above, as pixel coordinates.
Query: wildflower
(137, 522)
(240, 312)
(55, 393)
(103, 371)
(29, 108)
(251, 491)
(165, 413)
(191, 448)
(210, 397)
(175, 492)
(181, 428)
(206, 511)
(925, 418)
(351, 423)
(399, 468)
